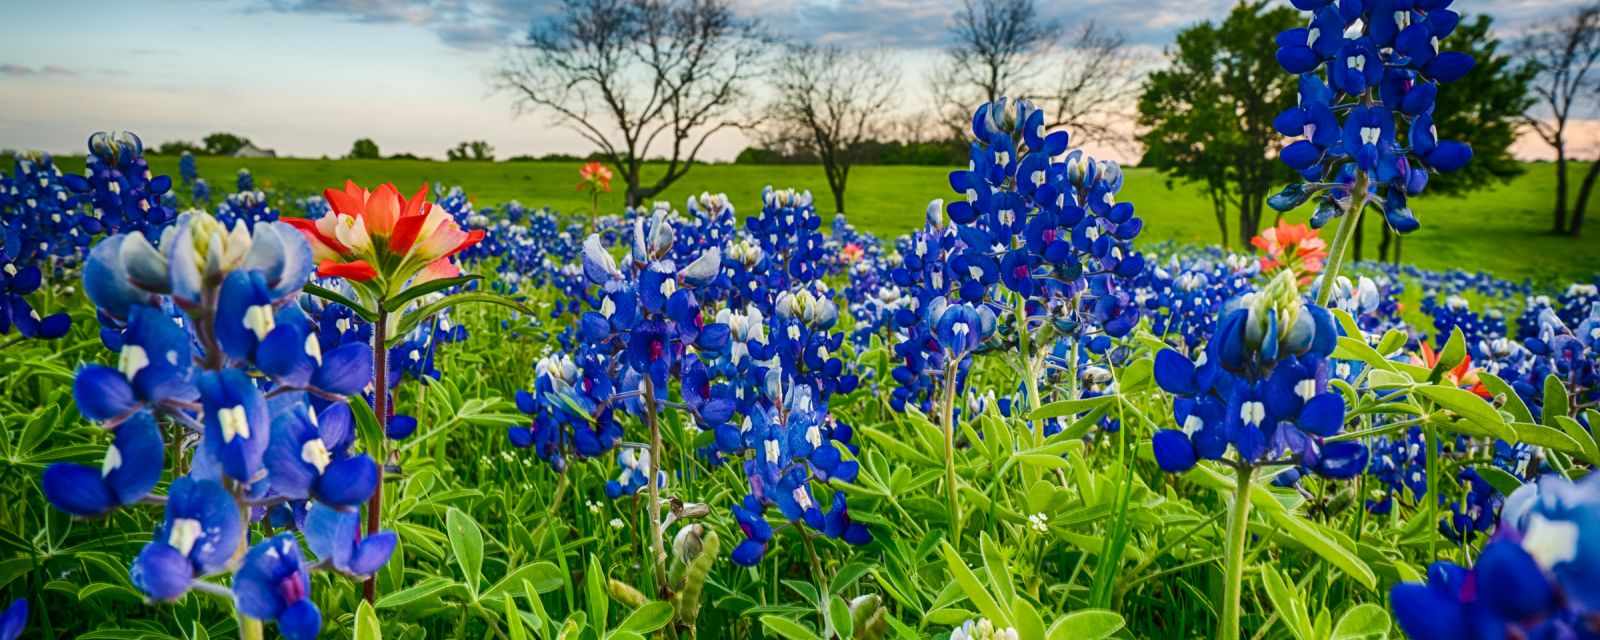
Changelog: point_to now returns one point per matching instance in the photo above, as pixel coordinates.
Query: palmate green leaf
(1454, 351)
(514, 630)
(1503, 482)
(839, 620)
(1355, 349)
(399, 302)
(339, 298)
(1365, 621)
(1548, 437)
(847, 576)
(544, 576)
(418, 592)
(1089, 624)
(1029, 625)
(367, 623)
(1471, 408)
(595, 587)
(466, 540)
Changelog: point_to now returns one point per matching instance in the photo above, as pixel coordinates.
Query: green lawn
(1501, 230)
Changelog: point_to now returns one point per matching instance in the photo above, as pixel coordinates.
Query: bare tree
(1099, 74)
(992, 43)
(1564, 55)
(828, 102)
(635, 77)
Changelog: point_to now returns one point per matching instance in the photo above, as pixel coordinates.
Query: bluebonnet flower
(1260, 388)
(274, 583)
(123, 195)
(198, 538)
(1535, 579)
(246, 181)
(1380, 66)
(334, 535)
(1400, 464)
(131, 468)
(634, 463)
(309, 456)
(1474, 511)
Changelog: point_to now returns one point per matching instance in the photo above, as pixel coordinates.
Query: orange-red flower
(594, 176)
(1292, 246)
(1462, 375)
(851, 253)
(382, 235)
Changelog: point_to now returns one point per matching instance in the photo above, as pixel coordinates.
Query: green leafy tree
(223, 144)
(177, 148)
(1207, 117)
(364, 149)
(471, 150)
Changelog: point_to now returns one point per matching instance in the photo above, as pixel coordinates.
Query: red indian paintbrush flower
(383, 239)
(594, 176)
(1292, 246)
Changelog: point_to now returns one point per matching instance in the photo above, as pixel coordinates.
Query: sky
(307, 77)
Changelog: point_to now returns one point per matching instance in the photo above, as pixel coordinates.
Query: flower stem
(380, 408)
(1348, 223)
(658, 548)
(949, 408)
(249, 628)
(1431, 451)
(1238, 532)
(1025, 348)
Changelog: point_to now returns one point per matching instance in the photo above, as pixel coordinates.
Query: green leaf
(839, 619)
(399, 302)
(1501, 389)
(339, 298)
(968, 581)
(1547, 437)
(1357, 349)
(1454, 351)
(466, 539)
(1089, 624)
(514, 630)
(1470, 407)
(1392, 341)
(648, 618)
(417, 592)
(416, 316)
(994, 564)
(544, 576)
(1555, 399)
(1029, 625)
(1069, 407)
(1503, 482)
(787, 628)
(595, 587)
(847, 576)
(1291, 609)
(367, 623)
(1362, 622)
(1312, 537)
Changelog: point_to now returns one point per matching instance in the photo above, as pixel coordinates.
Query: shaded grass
(1502, 230)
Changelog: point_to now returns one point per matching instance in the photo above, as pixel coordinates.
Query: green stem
(1238, 532)
(1430, 442)
(249, 628)
(380, 409)
(657, 545)
(1348, 223)
(1025, 344)
(949, 408)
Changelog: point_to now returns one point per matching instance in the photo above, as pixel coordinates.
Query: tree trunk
(1561, 189)
(1578, 209)
(1249, 218)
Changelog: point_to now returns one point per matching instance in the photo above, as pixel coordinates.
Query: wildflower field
(330, 399)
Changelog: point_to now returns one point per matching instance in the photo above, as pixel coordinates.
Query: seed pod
(686, 602)
(625, 593)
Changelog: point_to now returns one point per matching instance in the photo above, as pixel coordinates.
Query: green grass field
(1501, 230)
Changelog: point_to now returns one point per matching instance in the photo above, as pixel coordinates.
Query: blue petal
(348, 482)
(102, 393)
(345, 370)
(301, 621)
(1173, 451)
(141, 452)
(76, 489)
(161, 572)
(1175, 373)
(1426, 614)
(1510, 581)
(1323, 415)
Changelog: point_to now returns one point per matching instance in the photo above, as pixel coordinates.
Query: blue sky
(306, 77)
